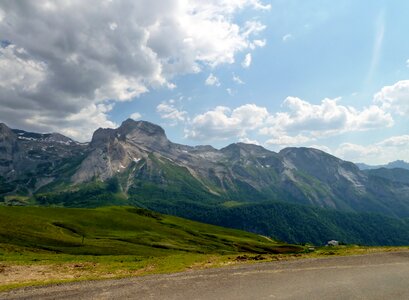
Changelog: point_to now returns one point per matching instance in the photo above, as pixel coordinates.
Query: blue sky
(326, 74)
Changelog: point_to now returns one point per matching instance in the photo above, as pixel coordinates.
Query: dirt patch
(246, 257)
(12, 274)
(18, 274)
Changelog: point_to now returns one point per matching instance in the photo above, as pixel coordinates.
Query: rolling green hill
(44, 245)
(121, 231)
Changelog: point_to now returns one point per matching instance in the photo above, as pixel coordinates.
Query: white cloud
(223, 123)
(64, 59)
(394, 97)
(258, 43)
(78, 125)
(287, 37)
(357, 153)
(246, 140)
(135, 116)
(18, 72)
(285, 140)
(301, 123)
(230, 91)
(390, 149)
(324, 119)
(253, 27)
(256, 4)
(171, 85)
(396, 141)
(212, 80)
(167, 110)
(237, 79)
(247, 61)
(407, 63)
(321, 147)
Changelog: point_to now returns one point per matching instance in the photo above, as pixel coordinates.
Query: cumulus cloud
(407, 63)
(135, 116)
(61, 59)
(394, 98)
(396, 141)
(350, 151)
(285, 140)
(390, 149)
(223, 123)
(258, 43)
(247, 61)
(300, 122)
(76, 124)
(324, 119)
(212, 80)
(167, 110)
(246, 140)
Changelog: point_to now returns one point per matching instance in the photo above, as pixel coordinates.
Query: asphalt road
(375, 276)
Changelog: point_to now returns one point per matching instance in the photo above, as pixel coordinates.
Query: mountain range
(136, 164)
(401, 164)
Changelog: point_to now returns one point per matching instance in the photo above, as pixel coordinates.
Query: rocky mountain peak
(5, 130)
(311, 156)
(131, 130)
(102, 136)
(324, 166)
(130, 126)
(242, 149)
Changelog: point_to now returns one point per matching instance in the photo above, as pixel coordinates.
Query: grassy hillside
(47, 244)
(121, 231)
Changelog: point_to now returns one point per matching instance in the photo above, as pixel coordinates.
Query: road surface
(374, 276)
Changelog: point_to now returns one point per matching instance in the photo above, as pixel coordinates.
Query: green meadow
(49, 244)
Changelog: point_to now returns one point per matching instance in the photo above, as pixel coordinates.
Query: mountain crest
(135, 131)
(5, 131)
(142, 127)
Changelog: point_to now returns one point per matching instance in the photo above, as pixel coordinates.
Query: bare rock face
(114, 150)
(8, 146)
(29, 160)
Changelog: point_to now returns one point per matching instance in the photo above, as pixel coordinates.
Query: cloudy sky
(333, 75)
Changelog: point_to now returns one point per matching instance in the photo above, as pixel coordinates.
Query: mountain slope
(295, 223)
(146, 162)
(396, 174)
(138, 160)
(28, 161)
(121, 231)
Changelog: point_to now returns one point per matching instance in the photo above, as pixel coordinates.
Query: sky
(332, 75)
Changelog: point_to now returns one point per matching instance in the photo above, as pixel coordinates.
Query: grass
(50, 244)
